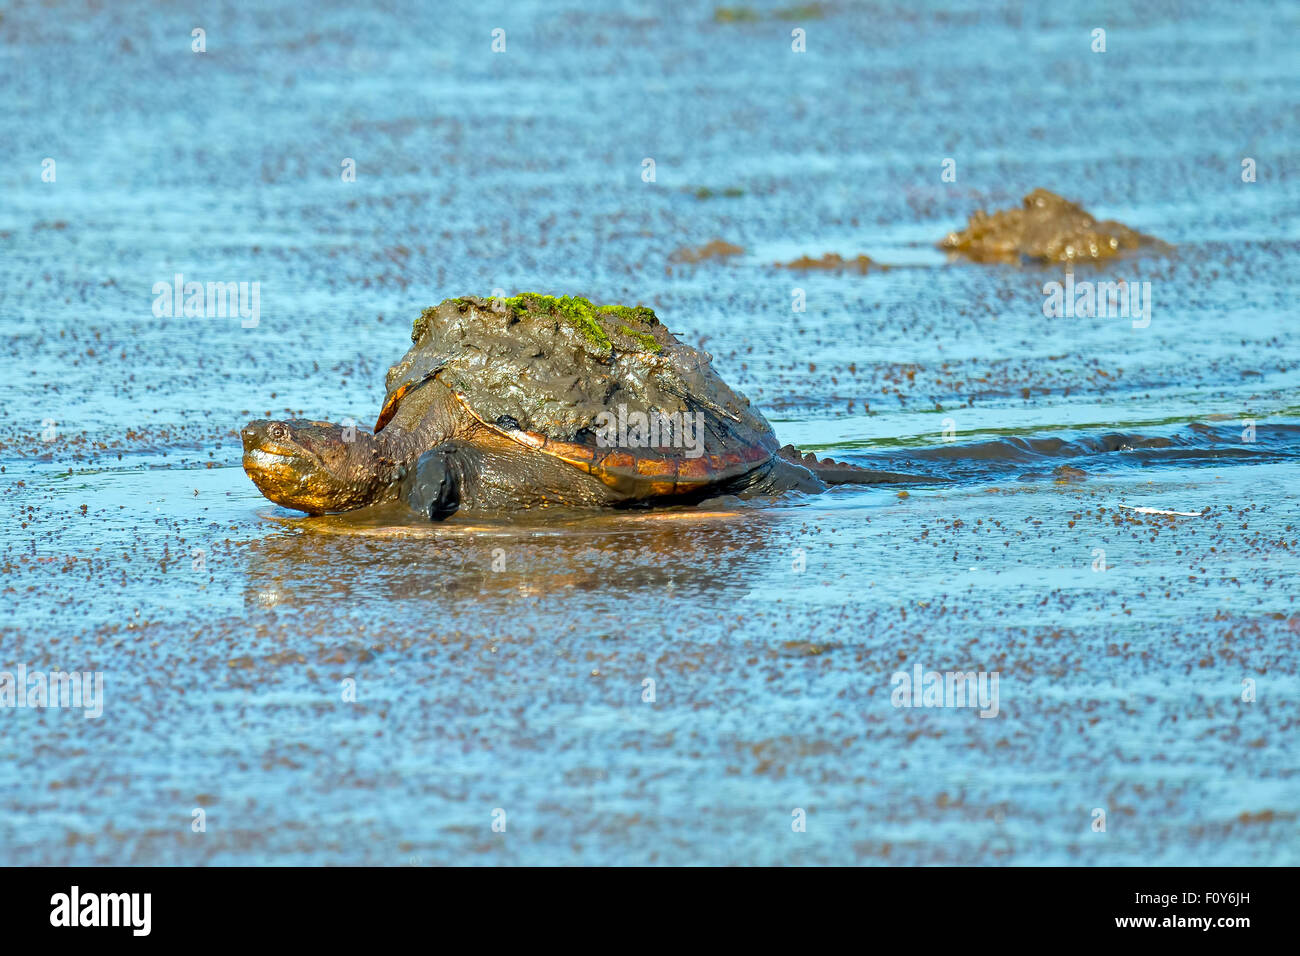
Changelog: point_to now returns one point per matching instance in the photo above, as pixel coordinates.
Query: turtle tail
(842, 473)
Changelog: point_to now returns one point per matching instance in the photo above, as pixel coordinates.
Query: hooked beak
(268, 462)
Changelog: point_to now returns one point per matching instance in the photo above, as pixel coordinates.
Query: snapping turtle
(509, 404)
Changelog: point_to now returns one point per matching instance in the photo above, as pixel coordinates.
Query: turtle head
(316, 467)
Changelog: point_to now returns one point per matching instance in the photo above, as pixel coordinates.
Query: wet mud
(1044, 228)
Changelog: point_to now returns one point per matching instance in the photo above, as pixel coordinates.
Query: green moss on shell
(647, 340)
(629, 313)
(573, 310)
(585, 317)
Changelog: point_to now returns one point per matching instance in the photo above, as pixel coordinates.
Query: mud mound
(1046, 228)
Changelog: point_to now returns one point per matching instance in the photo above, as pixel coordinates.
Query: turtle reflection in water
(506, 405)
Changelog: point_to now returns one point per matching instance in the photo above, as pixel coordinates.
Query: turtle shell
(608, 389)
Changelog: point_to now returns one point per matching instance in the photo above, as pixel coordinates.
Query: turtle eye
(278, 432)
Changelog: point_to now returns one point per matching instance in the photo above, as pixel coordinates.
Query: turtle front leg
(490, 474)
(435, 485)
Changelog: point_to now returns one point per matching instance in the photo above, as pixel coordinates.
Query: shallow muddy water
(505, 670)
